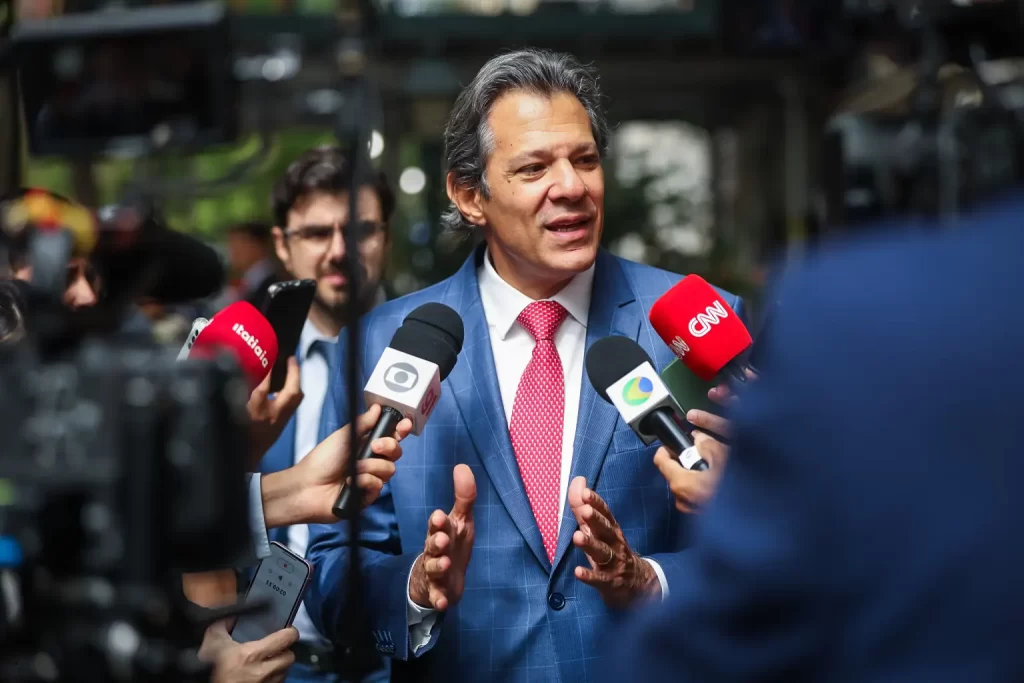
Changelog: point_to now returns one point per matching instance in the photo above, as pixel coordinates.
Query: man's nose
(568, 184)
(80, 294)
(336, 250)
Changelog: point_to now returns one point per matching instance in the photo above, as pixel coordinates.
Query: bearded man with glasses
(311, 220)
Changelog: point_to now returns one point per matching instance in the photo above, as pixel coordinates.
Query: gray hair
(469, 141)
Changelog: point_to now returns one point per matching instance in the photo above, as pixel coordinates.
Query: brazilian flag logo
(637, 391)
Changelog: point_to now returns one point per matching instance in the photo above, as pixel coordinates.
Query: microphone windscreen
(700, 328)
(433, 332)
(442, 320)
(163, 264)
(243, 330)
(612, 358)
(422, 342)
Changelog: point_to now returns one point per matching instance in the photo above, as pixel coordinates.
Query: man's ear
(281, 247)
(468, 201)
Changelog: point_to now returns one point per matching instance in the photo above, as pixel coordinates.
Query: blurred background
(716, 108)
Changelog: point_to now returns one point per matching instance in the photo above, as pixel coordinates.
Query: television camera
(121, 468)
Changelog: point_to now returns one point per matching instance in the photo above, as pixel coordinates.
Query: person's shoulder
(900, 305)
(646, 277)
(915, 264)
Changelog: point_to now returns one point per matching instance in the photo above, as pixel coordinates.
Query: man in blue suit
(868, 524)
(558, 518)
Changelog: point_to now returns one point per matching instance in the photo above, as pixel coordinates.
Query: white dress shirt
(510, 342)
(313, 379)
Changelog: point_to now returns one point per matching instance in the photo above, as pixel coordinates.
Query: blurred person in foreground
(83, 284)
(311, 217)
(867, 526)
(575, 522)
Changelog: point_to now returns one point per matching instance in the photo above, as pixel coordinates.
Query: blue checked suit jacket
(520, 618)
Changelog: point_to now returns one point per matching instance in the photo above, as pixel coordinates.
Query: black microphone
(407, 380)
(136, 252)
(622, 374)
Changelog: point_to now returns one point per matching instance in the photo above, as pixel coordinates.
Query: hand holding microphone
(622, 374)
(243, 331)
(693, 489)
(306, 492)
(246, 335)
(709, 338)
(407, 379)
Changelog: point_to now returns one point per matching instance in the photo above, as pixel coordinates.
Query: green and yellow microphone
(622, 374)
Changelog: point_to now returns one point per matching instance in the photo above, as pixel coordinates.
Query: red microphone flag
(700, 328)
(242, 329)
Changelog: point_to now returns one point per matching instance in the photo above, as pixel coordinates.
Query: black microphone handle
(662, 424)
(350, 498)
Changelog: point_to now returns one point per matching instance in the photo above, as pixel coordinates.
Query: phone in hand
(280, 579)
(286, 308)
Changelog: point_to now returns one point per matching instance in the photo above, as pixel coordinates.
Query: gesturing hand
(618, 573)
(439, 574)
(270, 415)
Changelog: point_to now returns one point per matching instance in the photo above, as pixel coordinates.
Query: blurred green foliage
(207, 217)
(420, 256)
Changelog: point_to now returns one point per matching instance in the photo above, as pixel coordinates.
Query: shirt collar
(309, 335)
(503, 303)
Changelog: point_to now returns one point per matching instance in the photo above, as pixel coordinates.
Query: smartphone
(286, 308)
(197, 326)
(280, 579)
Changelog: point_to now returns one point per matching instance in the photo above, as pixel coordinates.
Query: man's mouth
(336, 279)
(569, 223)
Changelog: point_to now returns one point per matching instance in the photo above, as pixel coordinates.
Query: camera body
(121, 469)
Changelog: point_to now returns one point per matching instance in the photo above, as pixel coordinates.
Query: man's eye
(589, 160)
(318, 232)
(532, 169)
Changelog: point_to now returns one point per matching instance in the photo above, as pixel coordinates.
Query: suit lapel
(475, 388)
(613, 311)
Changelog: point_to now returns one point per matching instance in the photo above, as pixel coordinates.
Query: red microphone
(243, 330)
(704, 332)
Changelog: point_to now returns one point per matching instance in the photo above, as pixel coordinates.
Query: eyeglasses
(321, 235)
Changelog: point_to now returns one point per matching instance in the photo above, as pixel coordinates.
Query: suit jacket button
(556, 601)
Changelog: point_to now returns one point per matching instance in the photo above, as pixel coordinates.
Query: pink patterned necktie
(536, 426)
